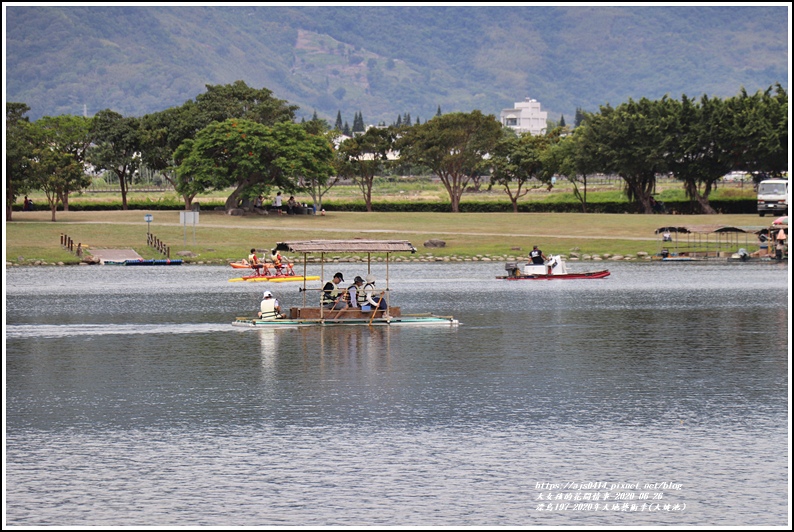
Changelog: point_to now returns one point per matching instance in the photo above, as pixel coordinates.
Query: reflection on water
(132, 400)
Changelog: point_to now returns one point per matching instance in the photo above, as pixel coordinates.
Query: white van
(773, 196)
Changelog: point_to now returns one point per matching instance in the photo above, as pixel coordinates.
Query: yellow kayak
(276, 278)
(293, 278)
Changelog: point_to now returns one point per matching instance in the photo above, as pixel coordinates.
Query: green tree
(578, 118)
(453, 146)
(116, 148)
(321, 178)
(358, 123)
(238, 100)
(515, 161)
(250, 157)
(572, 158)
(562, 121)
(629, 140)
(697, 148)
(163, 132)
(54, 171)
(338, 126)
(69, 134)
(18, 152)
(761, 124)
(363, 156)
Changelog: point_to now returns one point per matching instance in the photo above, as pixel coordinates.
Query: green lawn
(220, 238)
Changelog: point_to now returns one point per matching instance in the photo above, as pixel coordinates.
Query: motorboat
(552, 269)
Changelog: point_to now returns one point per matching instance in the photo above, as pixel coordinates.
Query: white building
(525, 116)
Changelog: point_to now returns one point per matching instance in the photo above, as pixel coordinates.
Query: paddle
(342, 297)
(375, 311)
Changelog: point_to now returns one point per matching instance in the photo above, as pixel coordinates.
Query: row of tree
(696, 141)
(244, 138)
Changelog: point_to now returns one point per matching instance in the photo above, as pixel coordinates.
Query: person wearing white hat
(269, 308)
(371, 301)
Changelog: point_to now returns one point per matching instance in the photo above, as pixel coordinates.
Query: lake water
(655, 397)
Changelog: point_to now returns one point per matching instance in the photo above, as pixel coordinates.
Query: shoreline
(429, 258)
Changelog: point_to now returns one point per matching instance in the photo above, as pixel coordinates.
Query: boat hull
(314, 316)
(275, 278)
(554, 277)
(400, 321)
(144, 262)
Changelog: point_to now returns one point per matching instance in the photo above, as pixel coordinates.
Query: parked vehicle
(773, 196)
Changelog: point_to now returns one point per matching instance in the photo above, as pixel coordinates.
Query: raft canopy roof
(705, 229)
(346, 246)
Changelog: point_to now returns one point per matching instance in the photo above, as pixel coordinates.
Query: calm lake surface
(657, 396)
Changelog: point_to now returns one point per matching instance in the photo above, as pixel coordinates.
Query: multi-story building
(525, 116)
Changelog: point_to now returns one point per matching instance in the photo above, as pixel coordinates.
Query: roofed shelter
(707, 240)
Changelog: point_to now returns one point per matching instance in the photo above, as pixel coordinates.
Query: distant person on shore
(657, 206)
(291, 205)
(780, 247)
(277, 203)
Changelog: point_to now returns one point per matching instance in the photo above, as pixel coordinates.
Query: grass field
(219, 238)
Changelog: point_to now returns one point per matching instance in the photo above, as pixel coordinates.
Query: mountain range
(389, 61)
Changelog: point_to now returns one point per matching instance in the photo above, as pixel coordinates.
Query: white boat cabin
(554, 266)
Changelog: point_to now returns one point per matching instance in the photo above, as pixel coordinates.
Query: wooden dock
(115, 255)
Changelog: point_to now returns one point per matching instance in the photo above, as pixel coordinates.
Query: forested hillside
(388, 61)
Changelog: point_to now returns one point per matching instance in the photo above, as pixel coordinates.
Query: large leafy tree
(630, 142)
(518, 159)
(18, 151)
(163, 132)
(238, 100)
(572, 158)
(318, 182)
(52, 170)
(761, 127)
(453, 146)
(71, 135)
(697, 147)
(250, 156)
(116, 148)
(319, 174)
(364, 155)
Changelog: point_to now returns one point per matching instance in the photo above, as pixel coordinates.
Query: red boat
(552, 269)
(240, 264)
